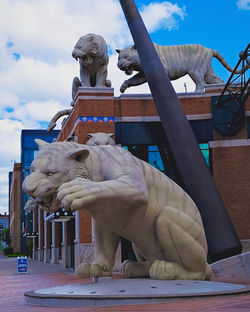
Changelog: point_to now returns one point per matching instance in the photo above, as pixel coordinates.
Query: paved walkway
(41, 275)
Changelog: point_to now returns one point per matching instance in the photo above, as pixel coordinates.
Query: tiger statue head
(56, 163)
(128, 60)
(88, 47)
(100, 138)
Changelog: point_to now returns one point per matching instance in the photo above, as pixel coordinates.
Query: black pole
(192, 169)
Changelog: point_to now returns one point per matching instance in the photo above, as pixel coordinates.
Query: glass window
(248, 127)
(205, 151)
(154, 157)
(1, 225)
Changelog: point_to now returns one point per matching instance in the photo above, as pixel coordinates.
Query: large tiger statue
(91, 51)
(178, 60)
(126, 198)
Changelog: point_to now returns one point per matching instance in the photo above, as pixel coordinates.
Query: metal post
(192, 169)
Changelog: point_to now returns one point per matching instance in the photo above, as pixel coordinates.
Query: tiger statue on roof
(178, 60)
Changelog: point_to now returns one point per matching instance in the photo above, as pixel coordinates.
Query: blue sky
(37, 38)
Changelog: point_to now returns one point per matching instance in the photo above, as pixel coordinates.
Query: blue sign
(21, 264)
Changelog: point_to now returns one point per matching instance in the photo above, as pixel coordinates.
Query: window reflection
(153, 155)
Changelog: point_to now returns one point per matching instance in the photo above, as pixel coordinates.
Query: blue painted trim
(94, 119)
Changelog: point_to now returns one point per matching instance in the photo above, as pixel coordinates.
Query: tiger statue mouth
(128, 70)
(49, 202)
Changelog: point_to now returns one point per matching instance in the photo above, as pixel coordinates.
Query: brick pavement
(41, 275)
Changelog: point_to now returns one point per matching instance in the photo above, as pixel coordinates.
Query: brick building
(137, 127)
(20, 220)
(4, 223)
(15, 208)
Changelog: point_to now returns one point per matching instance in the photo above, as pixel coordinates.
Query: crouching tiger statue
(126, 198)
(178, 60)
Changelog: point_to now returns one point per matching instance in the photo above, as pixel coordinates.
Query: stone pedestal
(67, 245)
(47, 240)
(35, 239)
(47, 255)
(55, 243)
(108, 292)
(40, 234)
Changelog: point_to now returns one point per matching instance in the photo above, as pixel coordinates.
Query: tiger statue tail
(220, 58)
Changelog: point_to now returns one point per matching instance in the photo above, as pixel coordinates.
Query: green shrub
(8, 250)
(6, 235)
(15, 255)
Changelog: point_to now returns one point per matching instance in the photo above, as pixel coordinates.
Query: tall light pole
(192, 169)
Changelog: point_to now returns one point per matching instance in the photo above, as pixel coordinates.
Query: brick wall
(231, 165)
(15, 208)
(231, 172)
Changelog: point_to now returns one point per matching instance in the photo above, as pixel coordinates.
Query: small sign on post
(21, 264)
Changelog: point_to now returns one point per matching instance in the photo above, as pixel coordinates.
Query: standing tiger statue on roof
(178, 60)
(126, 198)
(91, 51)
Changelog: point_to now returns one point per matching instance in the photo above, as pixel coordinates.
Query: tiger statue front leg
(136, 80)
(105, 246)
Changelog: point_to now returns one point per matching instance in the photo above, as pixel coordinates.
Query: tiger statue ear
(118, 51)
(111, 135)
(79, 155)
(41, 143)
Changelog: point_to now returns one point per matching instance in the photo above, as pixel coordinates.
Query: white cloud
(34, 79)
(3, 209)
(4, 186)
(48, 30)
(162, 15)
(10, 153)
(243, 4)
(117, 77)
(10, 141)
(4, 189)
(179, 84)
(43, 33)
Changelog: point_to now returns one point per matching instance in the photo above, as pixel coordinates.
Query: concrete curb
(234, 267)
(128, 291)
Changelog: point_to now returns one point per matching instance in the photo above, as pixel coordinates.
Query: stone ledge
(234, 267)
(128, 291)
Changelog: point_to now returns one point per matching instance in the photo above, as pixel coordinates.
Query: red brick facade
(231, 172)
(230, 165)
(15, 208)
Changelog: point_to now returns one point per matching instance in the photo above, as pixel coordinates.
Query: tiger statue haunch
(91, 51)
(178, 60)
(126, 198)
